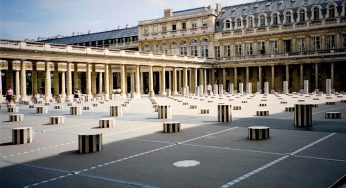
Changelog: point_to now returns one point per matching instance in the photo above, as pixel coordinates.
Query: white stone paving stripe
(243, 177)
(320, 158)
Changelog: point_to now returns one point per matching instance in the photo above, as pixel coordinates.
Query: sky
(30, 19)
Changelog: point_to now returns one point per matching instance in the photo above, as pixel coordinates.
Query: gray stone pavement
(137, 154)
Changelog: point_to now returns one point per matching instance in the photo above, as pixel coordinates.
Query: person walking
(9, 95)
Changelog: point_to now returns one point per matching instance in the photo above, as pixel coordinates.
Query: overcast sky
(29, 19)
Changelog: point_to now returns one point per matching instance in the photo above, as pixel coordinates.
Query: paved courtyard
(137, 154)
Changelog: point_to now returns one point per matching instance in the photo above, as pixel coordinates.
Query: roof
(266, 6)
(190, 11)
(106, 35)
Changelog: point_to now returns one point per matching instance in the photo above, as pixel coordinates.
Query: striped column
(13, 109)
(22, 135)
(302, 115)
(53, 120)
(116, 111)
(258, 133)
(106, 123)
(75, 110)
(41, 110)
(164, 112)
(16, 117)
(332, 115)
(204, 111)
(171, 127)
(89, 143)
(224, 113)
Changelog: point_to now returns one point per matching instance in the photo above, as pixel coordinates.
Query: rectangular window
(155, 29)
(146, 31)
(174, 27)
(287, 46)
(217, 51)
(316, 43)
(300, 44)
(183, 26)
(249, 48)
(330, 42)
(227, 49)
(238, 50)
(194, 25)
(205, 22)
(274, 47)
(164, 28)
(261, 48)
(194, 51)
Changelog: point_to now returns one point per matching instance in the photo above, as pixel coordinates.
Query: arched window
(165, 48)
(302, 15)
(193, 50)
(288, 17)
(316, 13)
(262, 21)
(205, 48)
(238, 23)
(183, 48)
(331, 11)
(250, 22)
(275, 19)
(174, 48)
(228, 24)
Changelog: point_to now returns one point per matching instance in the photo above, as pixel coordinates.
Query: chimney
(218, 7)
(168, 13)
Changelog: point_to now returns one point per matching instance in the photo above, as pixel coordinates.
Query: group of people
(9, 96)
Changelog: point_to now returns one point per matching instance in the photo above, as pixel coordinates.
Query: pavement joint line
(46, 181)
(218, 132)
(261, 168)
(320, 158)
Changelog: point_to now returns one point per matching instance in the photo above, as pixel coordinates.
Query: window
(274, 47)
(183, 49)
(155, 29)
(344, 40)
(183, 26)
(261, 48)
(262, 21)
(249, 48)
(174, 49)
(288, 17)
(331, 10)
(205, 48)
(194, 24)
(316, 43)
(165, 48)
(330, 42)
(227, 50)
(228, 24)
(238, 23)
(275, 19)
(146, 31)
(300, 44)
(287, 46)
(316, 13)
(205, 22)
(250, 22)
(302, 15)
(194, 51)
(217, 52)
(174, 27)
(164, 28)
(238, 50)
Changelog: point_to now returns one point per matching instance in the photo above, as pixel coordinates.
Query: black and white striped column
(171, 127)
(116, 111)
(332, 115)
(224, 113)
(75, 110)
(41, 109)
(16, 117)
(303, 115)
(204, 111)
(22, 135)
(53, 120)
(106, 123)
(164, 112)
(258, 133)
(262, 112)
(89, 143)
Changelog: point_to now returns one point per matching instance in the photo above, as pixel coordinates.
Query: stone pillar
(220, 89)
(63, 86)
(22, 80)
(241, 88)
(249, 88)
(235, 77)
(201, 78)
(93, 80)
(259, 84)
(151, 80)
(212, 76)
(301, 76)
(195, 79)
(170, 80)
(285, 87)
(100, 83)
(328, 87)
(231, 88)
(47, 83)
(75, 77)
(247, 76)
(9, 76)
(273, 77)
(1, 94)
(34, 78)
(332, 75)
(316, 76)
(216, 89)
(306, 86)
(142, 83)
(110, 81)
(287, 73)
(17, 86)
(163, 81)
(88, 80)
(205, 79)
(68, 81)
(122, 80)
(56, 80)
(138, 88)
(266, 88)
(175, 91)
(185, 82)
(106, 75)
(224, 76)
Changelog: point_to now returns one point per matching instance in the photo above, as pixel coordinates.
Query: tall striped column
(303, 115)
(164, 112)
(22, 135)
(116, 111)
(224, 113)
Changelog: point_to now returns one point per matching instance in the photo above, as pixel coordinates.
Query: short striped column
(87, 107)
(95, 105)
(164, 112)
(89, 143)
(330, 103)
(31, 106)
(54, 120)
(262, 104)
(236, 107)
(258, 133)
(289, 109)
(13, 109)
(224, 113)
(302, 115)
(106, 123)
(171, 127)
(283, 102)
(243, 102)
(204, 111)
(58, 107)
(314, 105)
(262, 112)
(332, 115)
(48, 104)
(22, 135)
(193, 106)
(70, 104)
(16, 117)
(185, 103)
(75, 110)
(41, 109)
(116, 111)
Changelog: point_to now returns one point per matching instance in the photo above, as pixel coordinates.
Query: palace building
(272, 41)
